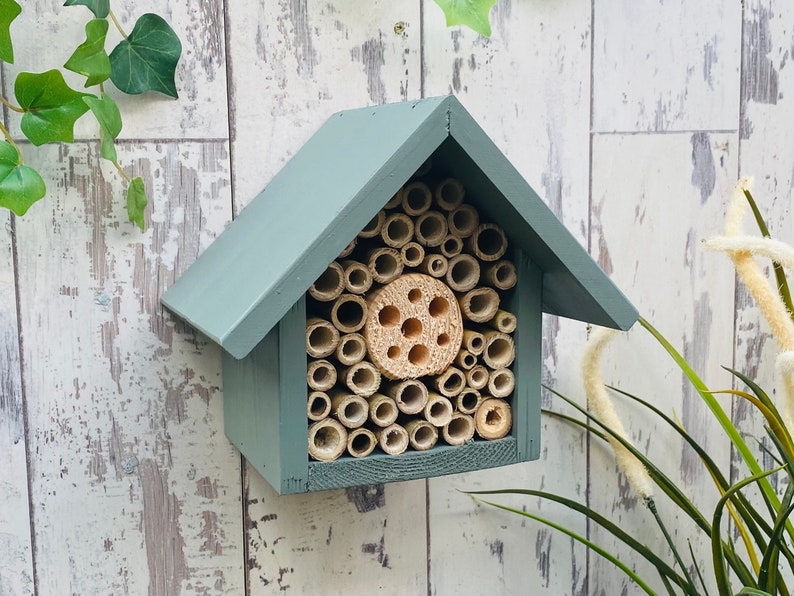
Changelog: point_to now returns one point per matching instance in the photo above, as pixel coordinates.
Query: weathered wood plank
(16, 552)
(665, 66)
(655, 198)
(292, 64)
(199, 113)
(134, 488)
(528, 87)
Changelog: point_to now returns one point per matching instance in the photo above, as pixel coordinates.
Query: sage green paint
(245, 282)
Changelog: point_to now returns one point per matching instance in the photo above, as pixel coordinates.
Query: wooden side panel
(664, 66)
(292, 64)
(16, 551)
(134, 489)
(651, 212)
(528, 86)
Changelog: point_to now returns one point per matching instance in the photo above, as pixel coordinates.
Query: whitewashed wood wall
(633, 118)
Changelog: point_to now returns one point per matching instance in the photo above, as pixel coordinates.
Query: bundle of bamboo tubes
(407, 337)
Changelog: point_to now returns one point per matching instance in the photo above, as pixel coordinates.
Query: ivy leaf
(90, 58)
(472, 13)
(109, 117)
(147, 59)
(20, 186)
(51, 107)
(9, 10)
(100, 8)
(136, 202)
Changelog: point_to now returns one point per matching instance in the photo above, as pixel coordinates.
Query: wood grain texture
(651, 212)
(134, 488)
(664, 66)
(200, 111)
(528, 87)
(292, 64)
(16, 551)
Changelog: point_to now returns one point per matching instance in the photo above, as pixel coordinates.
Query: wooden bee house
(380, 303)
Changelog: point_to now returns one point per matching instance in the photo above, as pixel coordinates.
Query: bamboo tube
(357, 277)
(421, 434)
(351, 410)
(321, 338)
(479, 305)
(450, 382)
(430, 228)
(347, 250)
(438, 410)
(435, 265)
(318, 405)
(414, 327)
(459, 430)
(467, 401)
(424, 169)
(493, 419)
(329, 285)
(466, 360)
(463, 221)
(463, 273)
(395, 200)
(397, 230)
(361, 378)
(327, 440)
(488, 243)
(503, 321)
(451, 246)
(392, 439)
(348, 313)
(501, 382)
(473, 341)
(502, 275)
(351, 349)
(416, 198)
(361, 442)
(374, 226)
(412, 254)
(382, 410)
(500, 350)
(449, 194)
(321, 375)
(410, 396)
(385, 265)
(477, 377)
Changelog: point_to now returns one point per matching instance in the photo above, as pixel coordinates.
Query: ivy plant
(144, 60)
(471, 13)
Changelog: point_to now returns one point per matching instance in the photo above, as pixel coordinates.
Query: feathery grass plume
(599, 403)
(742, 249)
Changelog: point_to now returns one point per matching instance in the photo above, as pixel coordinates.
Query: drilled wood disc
(413, 327)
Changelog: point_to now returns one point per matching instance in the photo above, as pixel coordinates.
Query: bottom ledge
(439, 461)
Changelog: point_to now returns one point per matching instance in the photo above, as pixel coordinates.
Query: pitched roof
(251, 275)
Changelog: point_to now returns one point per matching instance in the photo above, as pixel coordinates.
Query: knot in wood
(413, 328)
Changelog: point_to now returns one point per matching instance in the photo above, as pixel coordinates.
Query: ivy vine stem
(121, 171)
(11, 142)
(11, 106)
(117, 24)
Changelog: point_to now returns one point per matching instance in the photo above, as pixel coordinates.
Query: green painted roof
(251, 275)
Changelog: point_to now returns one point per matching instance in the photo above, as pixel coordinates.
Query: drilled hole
(389, 316)
(415, 295)
(393, 352)
(412, 328)
(419, 355)
(438, 307)
(442, 339)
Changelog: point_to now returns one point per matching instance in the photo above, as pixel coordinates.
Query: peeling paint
(704, 172)
(759, 76)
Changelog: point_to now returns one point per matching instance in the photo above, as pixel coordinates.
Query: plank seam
(634, 133)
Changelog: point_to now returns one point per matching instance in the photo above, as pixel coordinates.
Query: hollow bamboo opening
(434, 265)
(351, 410)
(385, 265)
(327, 440)
(397, 230)
(449, 194)
(493, 419)
(321, 338)
(467, 401)
(410, 396)
(501, 383)
(321, 375)
(416, 198)
(351, 349)
(479, 305)
(463, 221)
(473, 341)
(459, 430)
(466, 360)
(393, 439)
(395, 200)
(329, 285)
(431, 228)
(451, 246)
(362, 378)
(348, 250)
(374, 226)
(348, 313)
(477, 377)
(450, 382)
(504, 321)
(318, 405)
(502, 275)
(412, 254)
(382, 410)
(463, 273)
(488, 242)
(500, 350)
(357, 277)
(421, 434)
(438, 410)
(361, 442)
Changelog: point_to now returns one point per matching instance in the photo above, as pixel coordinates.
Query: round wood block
(413, 328)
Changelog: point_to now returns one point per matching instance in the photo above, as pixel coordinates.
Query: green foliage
(100, 8)
(756, 555)
(20, 186)
(147, 59)
(472, 13)
(51, 107)
(9, 10)
(90, 58)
